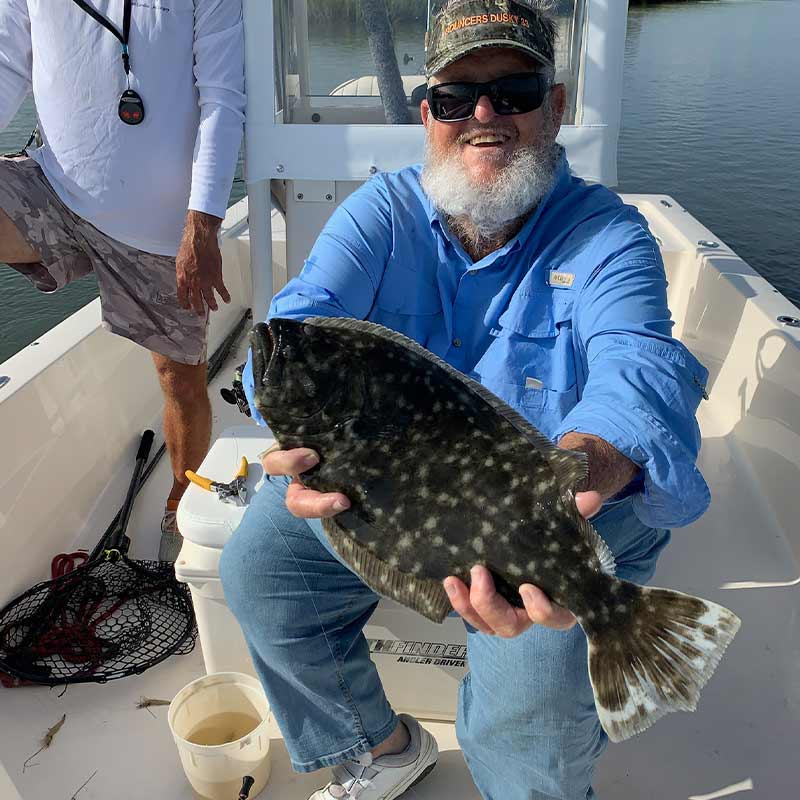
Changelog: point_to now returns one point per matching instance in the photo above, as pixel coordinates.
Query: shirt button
(456, 342)
(472, 272)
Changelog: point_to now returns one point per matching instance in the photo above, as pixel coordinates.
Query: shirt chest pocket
(530, 362)
(405, 292)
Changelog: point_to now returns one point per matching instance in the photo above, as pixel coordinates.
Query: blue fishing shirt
(568, 322)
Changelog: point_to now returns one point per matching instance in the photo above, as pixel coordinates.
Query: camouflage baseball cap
(463, 26)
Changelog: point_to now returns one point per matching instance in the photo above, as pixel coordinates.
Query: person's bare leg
(396, 743)
(187, 418)
(13, 247)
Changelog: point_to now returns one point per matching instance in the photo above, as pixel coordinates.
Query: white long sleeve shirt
(134, 183)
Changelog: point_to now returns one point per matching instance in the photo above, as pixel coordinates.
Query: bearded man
(552, 294)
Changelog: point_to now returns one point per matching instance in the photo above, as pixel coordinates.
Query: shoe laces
(351, 778)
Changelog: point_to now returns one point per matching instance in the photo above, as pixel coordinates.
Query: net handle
(215, 364)
(145, 444)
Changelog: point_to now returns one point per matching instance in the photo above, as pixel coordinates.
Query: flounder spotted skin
(442, 475)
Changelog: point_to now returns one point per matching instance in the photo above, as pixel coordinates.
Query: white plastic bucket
(211, 721)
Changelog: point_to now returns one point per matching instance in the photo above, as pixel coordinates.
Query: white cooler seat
(420, 662)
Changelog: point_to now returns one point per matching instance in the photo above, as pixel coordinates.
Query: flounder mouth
(262, 345)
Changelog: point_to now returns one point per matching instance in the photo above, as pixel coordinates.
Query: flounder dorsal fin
(570, 468)
(424, 595)
(608, 563)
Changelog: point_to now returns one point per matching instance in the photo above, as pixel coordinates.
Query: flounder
(442, 475)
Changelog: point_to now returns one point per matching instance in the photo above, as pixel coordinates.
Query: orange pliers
(234, 491)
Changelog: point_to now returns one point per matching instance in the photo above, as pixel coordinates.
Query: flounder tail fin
(658, 661)
(424, 595)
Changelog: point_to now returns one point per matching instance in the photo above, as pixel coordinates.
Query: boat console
(321, 118)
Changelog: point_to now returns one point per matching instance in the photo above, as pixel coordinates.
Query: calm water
(711, 113)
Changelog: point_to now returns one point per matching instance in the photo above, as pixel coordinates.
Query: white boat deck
(745, 731)
(130, 751)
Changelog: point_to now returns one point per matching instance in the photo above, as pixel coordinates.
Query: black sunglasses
(511, 94)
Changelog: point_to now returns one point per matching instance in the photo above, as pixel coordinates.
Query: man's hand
(588, 503)
(488, 612)
(303, 502)
(609, 470)
(199, 264)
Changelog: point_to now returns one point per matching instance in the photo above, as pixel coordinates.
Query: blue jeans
(526, 724)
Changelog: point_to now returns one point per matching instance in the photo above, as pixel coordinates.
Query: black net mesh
(108, 618)
(102, 621)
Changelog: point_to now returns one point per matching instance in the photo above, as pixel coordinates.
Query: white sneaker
(385, 777)
(171, 539)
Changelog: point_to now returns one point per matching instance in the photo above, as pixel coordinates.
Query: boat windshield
(361, 62)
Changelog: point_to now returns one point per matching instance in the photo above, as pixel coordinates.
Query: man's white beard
(489, 208)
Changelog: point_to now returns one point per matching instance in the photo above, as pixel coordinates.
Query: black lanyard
(131, 107)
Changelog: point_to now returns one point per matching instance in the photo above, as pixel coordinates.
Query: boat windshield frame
(300, 127)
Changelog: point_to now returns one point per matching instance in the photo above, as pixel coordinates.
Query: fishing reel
(235, 395)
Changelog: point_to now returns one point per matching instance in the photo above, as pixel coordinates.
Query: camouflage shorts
(138, 291)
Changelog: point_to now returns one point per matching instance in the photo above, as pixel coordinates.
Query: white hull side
(69, 421)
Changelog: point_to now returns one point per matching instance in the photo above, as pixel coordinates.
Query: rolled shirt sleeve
(219, 77)
(343, 271)
(643, 387)
(15, 58)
